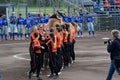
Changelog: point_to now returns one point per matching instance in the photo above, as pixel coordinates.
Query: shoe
(29, 75)
(56, 77)
(50, 76)
(42, 69)
(74, 61)
(34, 74)
(38, 78)
(59, 73)
(78, 36)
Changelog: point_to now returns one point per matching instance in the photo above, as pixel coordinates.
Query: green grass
(41, 10)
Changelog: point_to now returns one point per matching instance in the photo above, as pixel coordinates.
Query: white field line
(19, 56)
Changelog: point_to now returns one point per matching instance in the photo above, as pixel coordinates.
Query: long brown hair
(52, 36)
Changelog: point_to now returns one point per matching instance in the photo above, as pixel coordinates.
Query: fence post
(26, 9)
(116, 25)
(12, 7)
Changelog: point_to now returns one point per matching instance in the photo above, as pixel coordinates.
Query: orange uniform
(59, 40)
(64, 36)
(53, 44)
(36, 46)
(40, 31)
(32, 37)
(72, 34)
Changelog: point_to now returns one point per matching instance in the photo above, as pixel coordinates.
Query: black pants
(46, 59)
(53, 63)
(69, 52)
(65, 54)
(38, 64)
(38, 61)
(72, 52)
(32, 59)
(59, 59)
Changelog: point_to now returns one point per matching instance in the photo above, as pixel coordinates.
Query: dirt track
(92, 60)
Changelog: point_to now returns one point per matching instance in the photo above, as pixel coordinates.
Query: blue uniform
(12, 20)
(42, 20)
(27, 23)
(1, 27)
(65, 18)
(73, 18)
(79, 21)
(69, 18)
(46, 19)
(12, 26)
(1, 23)
(90, 25)
(36, 21)
(20, 23)
(5, 27)
(89, 19)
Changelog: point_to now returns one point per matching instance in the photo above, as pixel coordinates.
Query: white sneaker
(42, 69)
(59, 73)
(78, 36)
(34, 74)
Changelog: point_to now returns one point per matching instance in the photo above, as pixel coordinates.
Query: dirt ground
(92, 60)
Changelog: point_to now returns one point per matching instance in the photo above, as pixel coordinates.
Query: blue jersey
(27, 22)
(81, 14)
(73, 18)
(89, 18)
(20, 21)
(12, 20)
(42, 20)
(69, 18)
(79, 19)
(46, 19)
(65, 18)
(4, 22)
(0, 22)
(36, 21)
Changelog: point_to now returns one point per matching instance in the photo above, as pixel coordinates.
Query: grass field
(41, 10)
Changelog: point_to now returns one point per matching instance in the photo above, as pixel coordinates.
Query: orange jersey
(32, 37)
(72, 35)
(36, 44)
(53, 44)
(59, 40)
(40, 31)
(64, 36)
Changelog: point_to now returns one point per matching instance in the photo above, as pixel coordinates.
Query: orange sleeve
(48, 42)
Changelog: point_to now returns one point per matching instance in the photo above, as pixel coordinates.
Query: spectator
(114, 49)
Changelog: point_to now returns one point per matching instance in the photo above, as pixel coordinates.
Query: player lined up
(57, 43)
(24, 25)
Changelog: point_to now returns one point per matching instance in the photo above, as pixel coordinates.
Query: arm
(111, 46)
